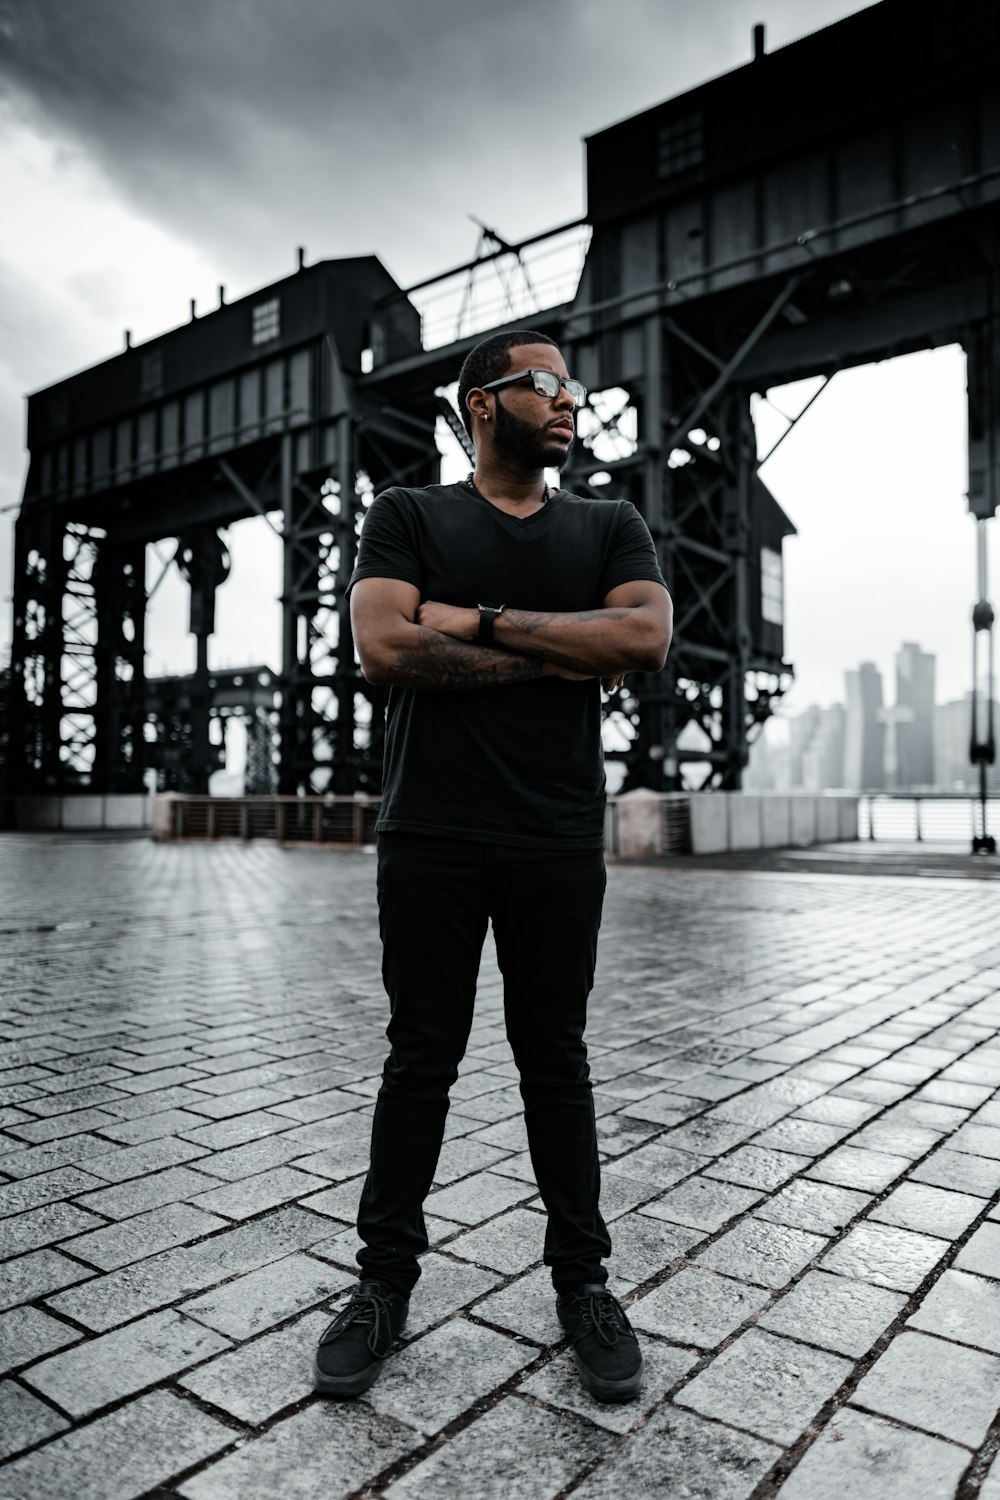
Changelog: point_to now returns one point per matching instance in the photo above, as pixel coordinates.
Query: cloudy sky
(155, 150)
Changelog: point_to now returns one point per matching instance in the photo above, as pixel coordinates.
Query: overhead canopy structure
(832, 203)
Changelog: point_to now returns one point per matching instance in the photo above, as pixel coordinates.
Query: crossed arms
(435, 646)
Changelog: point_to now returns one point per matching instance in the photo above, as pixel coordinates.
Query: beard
(526, 445)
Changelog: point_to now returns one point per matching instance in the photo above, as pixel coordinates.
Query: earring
(486, 416)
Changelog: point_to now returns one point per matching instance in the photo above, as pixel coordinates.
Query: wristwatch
(487, 615)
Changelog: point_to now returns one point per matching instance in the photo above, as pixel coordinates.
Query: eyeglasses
(546, 383)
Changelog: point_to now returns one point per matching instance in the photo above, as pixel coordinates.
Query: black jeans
(436, 897)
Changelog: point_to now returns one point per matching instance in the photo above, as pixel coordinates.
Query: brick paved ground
(797, 1085)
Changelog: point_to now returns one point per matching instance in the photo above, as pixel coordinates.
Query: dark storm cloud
(356, 125)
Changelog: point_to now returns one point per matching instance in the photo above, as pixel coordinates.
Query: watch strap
(487, 618)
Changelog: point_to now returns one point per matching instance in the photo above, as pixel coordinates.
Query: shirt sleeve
(388, 547)
(632, 555)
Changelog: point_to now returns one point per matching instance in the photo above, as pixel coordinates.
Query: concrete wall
(724, 822)
(83, 813)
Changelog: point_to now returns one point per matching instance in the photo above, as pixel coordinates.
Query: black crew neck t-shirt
(523, 763)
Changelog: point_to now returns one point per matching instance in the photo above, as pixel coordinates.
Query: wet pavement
(797, 1079)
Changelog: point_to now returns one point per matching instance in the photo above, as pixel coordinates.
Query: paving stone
(861, 1455)
(982, 1252)
(885, 1255)
(708, 1135)
(29, 1277)
(991, 1484)
(133, 1239)
(761, 1252)
(977, 1140)
(141, 1194)
(964, 1308)
(944, 1388)
(457, 1159)
(477, 1198)
(509, 1243)
(801, 1137)
(959, 1172)
(222, 1134)
(642, 1247)
(56, 1127)
(964, 1095)
(678, 1453)
(445, 1288)
(24, 1420)
(853, 1167)
(153, 1127)
(558, 1384)
(702, 1203)
(127, 1453)
(118, 1364)
(445, 1372)
(756, 1166)
(136, 1161)
(526, 1306)
(834, 1312)
(327, 1449)
(264, 1376)
(266, 1296)
(43, 1226)
(767, 1385)
(834, 1109)
(697, 1307)
(252, 1195)
(341, 1202)
(48, 1187)
(533, 1455)
(36, 1159)
(26, 1333)
(928, 1210)
(819, 1206)
(896, 1138)
(255, 1157)
(120, 1295)
(656, 1162)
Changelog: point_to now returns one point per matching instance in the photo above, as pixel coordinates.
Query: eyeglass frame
(564, 381)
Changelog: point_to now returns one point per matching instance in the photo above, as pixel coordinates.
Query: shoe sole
(345, 1385)
(610, 1390)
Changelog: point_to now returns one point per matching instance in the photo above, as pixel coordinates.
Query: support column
(983, 361)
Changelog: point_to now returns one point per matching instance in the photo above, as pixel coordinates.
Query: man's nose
(564, 399)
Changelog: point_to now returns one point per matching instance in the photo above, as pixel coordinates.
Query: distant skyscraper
(915, 733)
(864, 768)
(823, 761)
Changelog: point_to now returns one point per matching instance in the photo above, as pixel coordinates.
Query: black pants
(436, 898)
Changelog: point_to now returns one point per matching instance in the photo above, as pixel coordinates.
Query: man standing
(492, 608)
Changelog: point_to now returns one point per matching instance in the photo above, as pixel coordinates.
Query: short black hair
(491, 359)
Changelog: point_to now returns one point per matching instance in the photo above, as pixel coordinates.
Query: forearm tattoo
(442, 664)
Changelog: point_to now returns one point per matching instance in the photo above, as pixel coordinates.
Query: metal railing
(925, 817)
(286, 820)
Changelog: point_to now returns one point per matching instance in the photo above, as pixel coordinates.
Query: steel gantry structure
(829, 204)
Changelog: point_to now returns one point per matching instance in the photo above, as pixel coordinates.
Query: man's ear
(478, 404)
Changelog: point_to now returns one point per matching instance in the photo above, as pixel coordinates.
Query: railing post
(920, 836)
(871, 817)
(279, 821)
(359, 822)
(317, 822)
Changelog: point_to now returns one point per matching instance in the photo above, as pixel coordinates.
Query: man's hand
(447, 619)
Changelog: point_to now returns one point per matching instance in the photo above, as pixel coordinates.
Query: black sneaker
(606, 1350)
(350, 1353)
